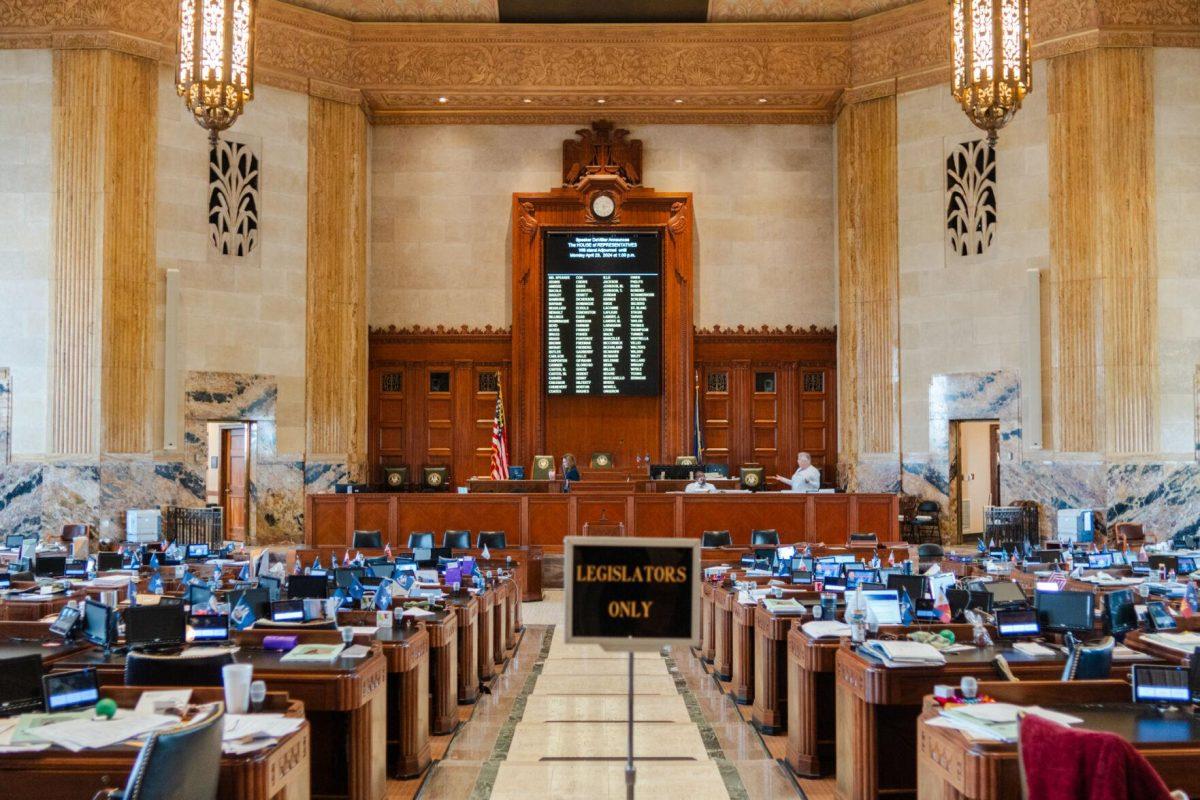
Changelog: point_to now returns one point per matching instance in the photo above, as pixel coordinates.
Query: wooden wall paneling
(374, 512)
(653, 516)
(788, 426)
(439, 428)
(599, 508)
(717, 411)
(77, 266)
(129, 297)
(764, 416)
(464, 385)
(868, 277)
(388, 421)
(1074, 251)
(336, 328)
(549, 519)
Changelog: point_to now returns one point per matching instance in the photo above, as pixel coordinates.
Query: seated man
(699, 484)
(806, 478)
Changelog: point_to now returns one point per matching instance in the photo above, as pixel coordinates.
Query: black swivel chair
(182, 763)
(716, 539)
(421, 539)
(457, 540)
(1091, 661)
(930, 552)
(146, 669)
(493, 540)
(368, 540)
(765, 537)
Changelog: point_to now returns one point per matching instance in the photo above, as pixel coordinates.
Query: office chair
(495, 540)
(924, 525)
(183, 763)
(147, 669)
(420, 539)
(368, 539)
(716, 539)
(930, 552)
(457, 540)
(769, 536)
(1090, 662)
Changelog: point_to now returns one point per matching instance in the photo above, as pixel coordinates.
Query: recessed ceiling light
(527, 100)
(601, 101)
(762, 99)
(443, 100)
(678, 99)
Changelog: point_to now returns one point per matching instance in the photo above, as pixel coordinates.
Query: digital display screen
(1017, 623)
(1155, 684)
(209, 627)
(603, 312)
(67, 690)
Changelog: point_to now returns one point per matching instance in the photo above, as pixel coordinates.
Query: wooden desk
(812, 697)
(952, 767)
(278, 772)
(741, 647)
(770, 669)
(707, 592)
(487, 634)
(27, 638)
(543, 519)
(466, 610)
(12, 610)
(723, 601)
(1136, 640)
(877, 710)
(499, 622)
(345, 702)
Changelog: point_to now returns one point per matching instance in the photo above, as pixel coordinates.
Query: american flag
(499, 438)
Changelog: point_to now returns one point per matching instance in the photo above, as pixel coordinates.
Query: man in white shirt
(699, 484)
(806, 478)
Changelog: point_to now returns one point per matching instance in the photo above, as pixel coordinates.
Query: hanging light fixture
(216, 60)
(989, 42)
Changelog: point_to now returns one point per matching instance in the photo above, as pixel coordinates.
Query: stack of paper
(998, 721)
(245, 733)
(825, 628)
(1184, 642)
(904, 653)
(788, 606)
(323, 653)
(88, 732)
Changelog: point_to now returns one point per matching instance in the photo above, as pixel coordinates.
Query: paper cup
(237, 687)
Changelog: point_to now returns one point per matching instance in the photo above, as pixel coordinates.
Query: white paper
(177, 698)
(417, 613)
(822, 628)
(83, 734)
(272, 726)
(953, 724)
(1033, 649)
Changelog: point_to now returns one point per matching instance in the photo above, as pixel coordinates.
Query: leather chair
(368, 540)
(765, 537)
(421, 539)
(1090, 662)
(928, 553)
(457, 540)
(147, 669)
(716, 539)
(73, 531)
(495, 540)
(924, 526)
(1132, 534)
(182, 763)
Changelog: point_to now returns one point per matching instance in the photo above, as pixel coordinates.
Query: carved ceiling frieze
(797, 10)
(695, 73)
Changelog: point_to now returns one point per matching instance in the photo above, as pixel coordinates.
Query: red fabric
(1063, 763)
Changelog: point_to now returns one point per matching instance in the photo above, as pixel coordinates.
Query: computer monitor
(287, 611)
(273, 586)
(368, 539)
(384, 570)
(50, 566)
(1063, 612)
(516, 473)
(961, 600)
(75, 569)
(109, 560)
(803, 563)
(1153, 683)
(1005, 593)
(344, 577)
(423, 556)
(858, 575)
(882, 606)
(1158, 618)
(1186, 565)
(845, 559)
(801, 576)
(196, 551)
(302, 586)
(1099, 560)
(1017, 622)
(765, 554)
(197, 594)
(259, 600)
(5, 580)
(941, 582)
(1046, 556)
(155, 626)
(209, 627)
(99, 623)
(1156, 561)
(65, 691)
(67, 622)
(1119, 611)
(917, 586)
(834, 582)
(20, 684)
(13, 541)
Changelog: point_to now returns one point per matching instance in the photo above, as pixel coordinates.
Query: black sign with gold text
(632, 591)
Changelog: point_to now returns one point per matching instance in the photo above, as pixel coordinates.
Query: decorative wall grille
(970, 197)
(233, 200)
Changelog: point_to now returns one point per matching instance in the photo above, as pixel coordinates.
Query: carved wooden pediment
(602, 150)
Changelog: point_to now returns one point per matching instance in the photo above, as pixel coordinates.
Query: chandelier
(216, 60)
(990, 48)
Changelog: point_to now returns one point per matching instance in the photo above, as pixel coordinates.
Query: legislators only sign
(632, 593)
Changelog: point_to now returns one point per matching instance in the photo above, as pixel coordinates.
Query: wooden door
(235, 485)
(994, 462)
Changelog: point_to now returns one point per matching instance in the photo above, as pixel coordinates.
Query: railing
(1009, 525)
(184, 526)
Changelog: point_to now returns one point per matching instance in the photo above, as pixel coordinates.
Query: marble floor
(555, 725)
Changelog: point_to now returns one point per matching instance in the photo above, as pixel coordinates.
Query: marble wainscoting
(1054, 485)
(1164, 497)
(21, 498)
(876, 476)
(277, 492)
(321, 476)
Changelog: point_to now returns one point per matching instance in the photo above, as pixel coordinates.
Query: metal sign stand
(630, 771)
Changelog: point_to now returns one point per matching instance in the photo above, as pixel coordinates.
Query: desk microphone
(968, 687)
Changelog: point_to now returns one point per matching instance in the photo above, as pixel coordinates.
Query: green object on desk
(948, 635)
(106, 708)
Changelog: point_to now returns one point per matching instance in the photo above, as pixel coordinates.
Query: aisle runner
(567, 733)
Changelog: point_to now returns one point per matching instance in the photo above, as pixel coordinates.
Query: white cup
(237, 687)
